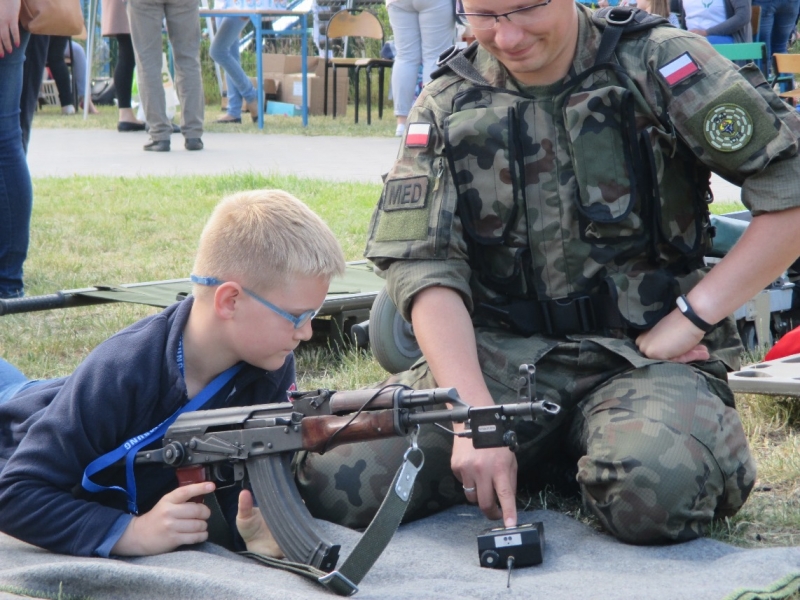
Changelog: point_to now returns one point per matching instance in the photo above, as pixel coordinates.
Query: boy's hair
(262, 238)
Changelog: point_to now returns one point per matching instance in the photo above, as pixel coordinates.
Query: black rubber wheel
(391, 337)
(749, 339)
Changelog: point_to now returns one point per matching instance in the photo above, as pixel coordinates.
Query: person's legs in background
(235, 100)
(408, 45)
(75, 52)
(766, 20)
(437, 26)
(123, 82)
(16, 192)
(60, 72)
(183, 26)
(225, 52)
(145, 18)
(783, 25)
(32, 74)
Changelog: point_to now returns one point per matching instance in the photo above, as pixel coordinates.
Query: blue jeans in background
(720, 39)
(12, 381)
(225, 52)
(777, 23)
(16, 193)
(423, 29)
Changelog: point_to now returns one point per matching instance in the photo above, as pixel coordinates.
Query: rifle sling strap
(344, 581)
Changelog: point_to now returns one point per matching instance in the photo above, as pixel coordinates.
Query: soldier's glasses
(298, 321)
(520, 16)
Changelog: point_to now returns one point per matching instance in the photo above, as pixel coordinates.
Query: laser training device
(509, 547)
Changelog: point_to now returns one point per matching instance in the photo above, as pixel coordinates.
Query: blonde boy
(263, 267)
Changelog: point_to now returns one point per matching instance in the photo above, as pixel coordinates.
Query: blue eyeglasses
(296, 321)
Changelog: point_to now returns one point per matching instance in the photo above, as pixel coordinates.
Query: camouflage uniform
(595, 188)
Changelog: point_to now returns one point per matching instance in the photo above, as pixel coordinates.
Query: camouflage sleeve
(415, 234)
(406, 278)
(729, 118)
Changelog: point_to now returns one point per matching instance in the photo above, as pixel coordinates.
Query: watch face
(682, 306)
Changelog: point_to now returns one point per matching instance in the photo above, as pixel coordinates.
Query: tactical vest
(581, 207)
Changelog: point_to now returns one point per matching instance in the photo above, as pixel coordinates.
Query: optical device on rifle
(259, 441)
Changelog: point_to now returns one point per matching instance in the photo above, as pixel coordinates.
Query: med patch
(403, 210)
(408, 193)
(734, 126)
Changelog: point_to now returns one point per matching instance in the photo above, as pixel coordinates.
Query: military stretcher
(348, 301)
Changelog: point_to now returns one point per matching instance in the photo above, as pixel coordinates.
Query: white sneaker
(401, 130)
(68, 110)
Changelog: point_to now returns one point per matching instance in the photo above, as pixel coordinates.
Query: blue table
(255, 15)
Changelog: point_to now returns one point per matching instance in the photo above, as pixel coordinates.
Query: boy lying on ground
(263, 267)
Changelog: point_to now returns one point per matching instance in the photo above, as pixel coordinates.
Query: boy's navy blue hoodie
(129, 384)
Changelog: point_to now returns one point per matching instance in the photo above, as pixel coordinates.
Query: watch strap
(688, 312)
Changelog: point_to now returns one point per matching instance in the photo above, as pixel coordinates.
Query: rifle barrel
(391, 397)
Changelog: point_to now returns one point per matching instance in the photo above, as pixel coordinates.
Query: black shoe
(157, 146)
(129, 126)
(229, 120)
(193, 144)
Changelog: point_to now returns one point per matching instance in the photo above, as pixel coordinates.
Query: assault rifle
(259, 441)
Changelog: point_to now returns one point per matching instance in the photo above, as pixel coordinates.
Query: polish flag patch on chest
(418, 135)
(679, 69)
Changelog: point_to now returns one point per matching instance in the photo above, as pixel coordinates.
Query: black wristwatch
(688, 312)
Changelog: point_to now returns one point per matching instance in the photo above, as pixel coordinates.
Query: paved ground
(66, 152)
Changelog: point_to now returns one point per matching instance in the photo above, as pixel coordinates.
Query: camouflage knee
(642, 499)
(664, 456)
(347, 484)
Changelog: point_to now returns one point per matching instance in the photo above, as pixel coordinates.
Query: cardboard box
(287, 68)
(271, 87)
(292, 92)
(286, 63)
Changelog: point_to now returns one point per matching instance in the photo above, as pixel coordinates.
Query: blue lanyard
(128, 449)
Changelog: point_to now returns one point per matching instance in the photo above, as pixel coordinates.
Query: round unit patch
(728, 127)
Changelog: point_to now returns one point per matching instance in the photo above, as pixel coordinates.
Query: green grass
(91, 230)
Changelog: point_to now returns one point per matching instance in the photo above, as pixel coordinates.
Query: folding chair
(48, 93)
(749, 51)
(349, 23)
(785, 66)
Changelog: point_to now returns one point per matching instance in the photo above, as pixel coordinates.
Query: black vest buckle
(570, 315)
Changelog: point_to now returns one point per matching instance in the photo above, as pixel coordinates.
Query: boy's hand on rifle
(489, 477)
(175, 521)
(254, 531)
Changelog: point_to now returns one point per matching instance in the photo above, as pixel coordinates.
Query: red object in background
(789, 344)
(193, 474)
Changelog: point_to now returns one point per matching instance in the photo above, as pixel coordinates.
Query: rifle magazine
(285, 513)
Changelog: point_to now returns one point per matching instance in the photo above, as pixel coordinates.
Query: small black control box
(523, 543)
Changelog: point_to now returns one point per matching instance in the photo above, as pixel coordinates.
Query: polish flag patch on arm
(418, 135)
(679, 69)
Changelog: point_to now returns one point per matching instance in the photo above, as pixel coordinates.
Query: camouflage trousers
(659, 448)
